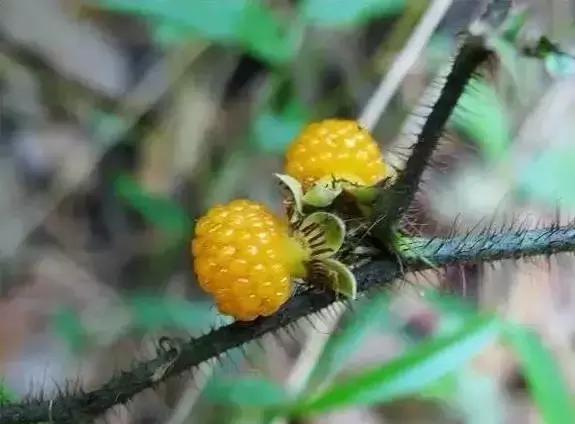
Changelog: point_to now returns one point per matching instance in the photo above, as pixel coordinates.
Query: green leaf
(550, 175)
(332, 229)
(247, 23)
(477, 397)
(168, 34)
(247, 392)
(6, 395)
(449, 305)
(408, 374)
(264, 36)
(162, 212)
(342, 279)
(141, 312)
(481, 116)
(152, 312)
(274, 130)
(107, 126)
(547, 385)
(453, 311)
(363, 194)
(368, 316)
(514, 24)
(67, 324)
(322, 194)
(216, 21)
(343, 13)
(560, 65)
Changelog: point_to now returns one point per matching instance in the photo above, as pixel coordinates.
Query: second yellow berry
(335, 148)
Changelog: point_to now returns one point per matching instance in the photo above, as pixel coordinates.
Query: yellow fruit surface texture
(335, 148)
(244, 257)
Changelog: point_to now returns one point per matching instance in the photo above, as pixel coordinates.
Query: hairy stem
(74, 407)
(490, 247)
(392, 203)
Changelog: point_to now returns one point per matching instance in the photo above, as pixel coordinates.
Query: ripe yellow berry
(244, 257)
(335, 148)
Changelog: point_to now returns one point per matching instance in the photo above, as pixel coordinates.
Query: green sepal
(340, 277)
(322, 194)
(295, 189)
(363, 194)
(332, 230)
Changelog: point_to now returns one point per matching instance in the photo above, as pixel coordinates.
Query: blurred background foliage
(122, 121)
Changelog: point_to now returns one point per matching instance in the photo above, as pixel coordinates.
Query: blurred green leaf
(152, 312)
(162, 212)
(247, 23)
(170, 33)
(511, 61)
(549, 177)
(212, 20)
(274, 131)
(453, 311)
(264, 36)
(360, 323)
(546, 382)
(444, 388)
(449, 305)
(514, 24)
(67, 324)
(408, 374)
(560, 65)
(247, 392)
(476, 396)
(481, 116)
(107, 126)
(341, 13)
(143, 312)
(6, 395)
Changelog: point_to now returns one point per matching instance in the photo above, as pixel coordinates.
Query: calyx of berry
(322, 235)
(324, 192)
(340, 277)
(294, 196)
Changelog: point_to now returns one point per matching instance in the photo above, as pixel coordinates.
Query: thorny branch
(490, 247)
(391, 204)
(75, 405)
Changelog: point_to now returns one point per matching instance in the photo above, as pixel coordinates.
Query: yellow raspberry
(335, 148)
(244, 257)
